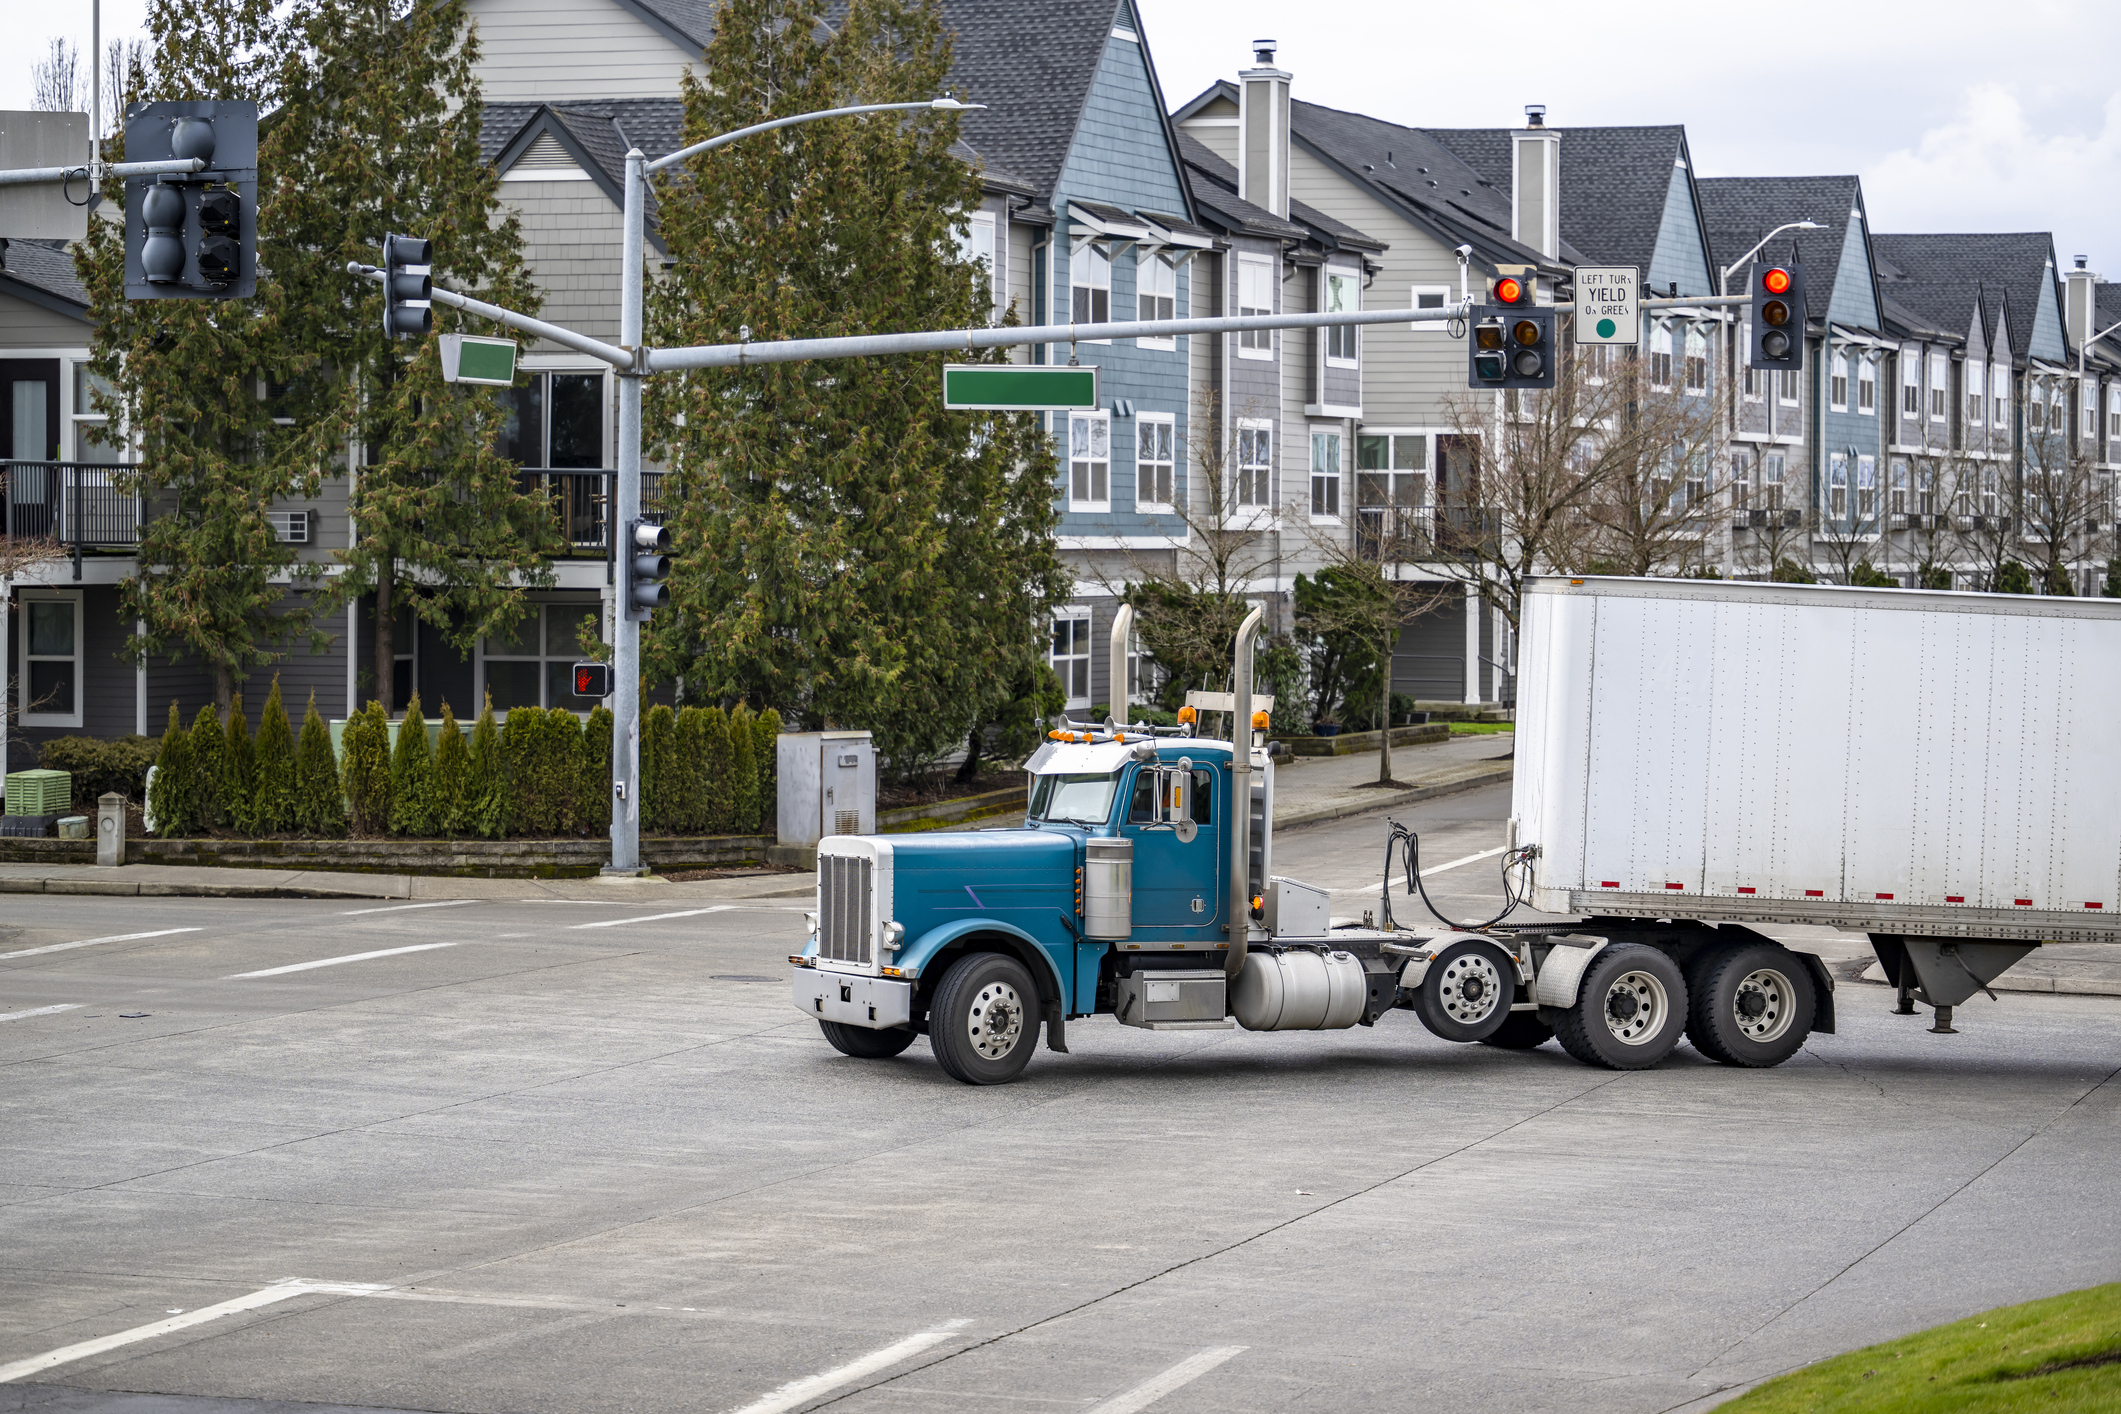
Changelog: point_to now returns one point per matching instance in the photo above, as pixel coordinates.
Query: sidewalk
(1312, 788)
(194, 881)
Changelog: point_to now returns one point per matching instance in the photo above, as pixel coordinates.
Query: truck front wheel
(1631, 1010)
(983, 1023)
(864, 1044)
(1752, 1006)
(1466, 993)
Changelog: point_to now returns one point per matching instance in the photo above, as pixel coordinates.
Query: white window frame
(1161, 505)
(1350, 282)
(1911, 383)
(1753, 381)
(1789, 392)
(1255, 343)
(1867, 385)
(1866, 487)
(1330, 480)
(1242, 470)
(1084, 263)
(978, 244)
(1896, 488)
(543, 656)
(1074, 614)
(1661, 361)
(1771, 486)
(1837, 486)
(1441, 294)
(1693, 363)
(2090, 417)
(1837, 386)
(82, 416)
(2113, 411)
(1940, 380)
(26, 596)
(1090, 501)
(1147, 261)
(1999, 390)
(1976, 395)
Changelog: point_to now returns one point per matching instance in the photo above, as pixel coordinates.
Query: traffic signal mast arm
(174, 165)
(581, 343)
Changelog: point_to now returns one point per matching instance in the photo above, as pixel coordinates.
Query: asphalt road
(576, 1157)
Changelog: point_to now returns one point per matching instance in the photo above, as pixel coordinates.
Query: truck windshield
(1076, 799)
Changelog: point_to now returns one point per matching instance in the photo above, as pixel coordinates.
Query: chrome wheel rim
(1764, 1005)
(995, 1021)
(1470, 989)
(1635, 1008)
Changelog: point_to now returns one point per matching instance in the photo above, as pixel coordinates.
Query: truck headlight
(810, 921)
(894, 932)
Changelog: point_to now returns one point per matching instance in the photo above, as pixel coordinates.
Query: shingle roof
(1214, 185)
(1939, 276)
(1033, 64)
(45, 267)
(1614, 183)
(1740, 210)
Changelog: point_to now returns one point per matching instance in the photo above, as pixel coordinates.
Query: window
(1431, 297)
(1153, 459)
(2091, 413)
(1597, 361)
(1325, 476)
(1089, 461)
(2036, 408)
(977, 244)
(1940, 387)
(556, 420)
(1999, 387)
(1867, 386)
(1741, 478)
(1926, 491)
(1755, 380)
(1090, 284)
(2113, 412)
(1391, 492)
(49, 677)
(1255, 295)
(1786, 386)
(1771, 468)
(1155, 293)
(88, 420)
(1343, 296)
(1838, 391)
(1661, 357)
(1896, 491)
(1866, 488)
(1837, 486)
(1255, 462)
(1975, 398)
(1988, 490)
(1071, 654)
(1911, 384)
(531, 666)
(1697, 361)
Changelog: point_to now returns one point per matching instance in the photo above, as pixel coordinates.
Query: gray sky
(1959, 116)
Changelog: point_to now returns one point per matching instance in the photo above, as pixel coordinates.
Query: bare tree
(2067, 504)
(58, 81)
(1850, 526)
(1941, 482)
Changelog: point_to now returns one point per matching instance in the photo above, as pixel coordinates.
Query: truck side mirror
(1175, 795)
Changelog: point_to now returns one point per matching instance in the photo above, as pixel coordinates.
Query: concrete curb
(126, 888)
(1362, 802)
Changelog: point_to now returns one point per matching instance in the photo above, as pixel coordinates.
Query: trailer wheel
(1465, 995)
(1524, 1031)
(983, 1024)
(865, 1044)
(1752, 1006)
(1631, 1010)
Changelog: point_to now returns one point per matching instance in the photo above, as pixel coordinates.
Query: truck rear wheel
(1465, 995)
(865, 1044)
(1631, 1009)
(983, 1023)
(1752, 1006)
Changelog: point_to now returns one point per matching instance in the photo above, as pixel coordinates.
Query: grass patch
(2060, 1354)
(1481, 728)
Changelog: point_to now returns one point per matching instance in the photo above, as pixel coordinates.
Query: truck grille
(846, 907)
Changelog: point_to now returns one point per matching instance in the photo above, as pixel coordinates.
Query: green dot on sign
(1605, 328)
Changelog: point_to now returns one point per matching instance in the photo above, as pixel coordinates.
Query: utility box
(827, 785)
(1298, 910)
(39, 792)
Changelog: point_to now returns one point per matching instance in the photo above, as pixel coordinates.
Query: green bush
(592, 793)
(209, 755)
(765, 744)
(365, 749)
(743, 772)
(451, 770)
(173, 799)
(239, 772)
(320, 802)
(412, 809)
(484, 812)
(100, 767)
(543, 751)
(273, 796)
(717, 766)
(688, 785)
(659, 733)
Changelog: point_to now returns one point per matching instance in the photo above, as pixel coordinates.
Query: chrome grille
(846, 907)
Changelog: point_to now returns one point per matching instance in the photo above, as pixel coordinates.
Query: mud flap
(1056, 1027)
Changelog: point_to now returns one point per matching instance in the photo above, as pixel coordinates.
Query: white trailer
(1936, 770)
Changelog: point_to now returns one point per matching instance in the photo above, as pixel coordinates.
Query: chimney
(2079, 291)
(1263, 132)
(1535, 183)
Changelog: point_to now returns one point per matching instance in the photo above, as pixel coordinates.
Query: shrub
(209, 754)
(412, 775)
(451, 771)
(239, 771)
(765, 743)
(717, 765)
(659, 734)
(743, 772)
(100, 767)
(365, 749)
(484, 812)
(173, 800)
(273, 795)
(592, 794)
(543, 751)
(320, 803)
(689, 783)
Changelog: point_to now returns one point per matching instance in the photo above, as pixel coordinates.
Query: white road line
(43, 1011)
(91, 942)
(278, 1291)
(334, 961)
(656, 917)
(401, 907)
(1156, 1387)
(1469, 859)
(795, 1392)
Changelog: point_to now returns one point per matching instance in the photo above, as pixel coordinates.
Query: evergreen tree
(273, 799)
(320, 801)
(209, 762)
(743, 772)
(593, 793)
(659, 741)
(239, 772)
(766, 745)
(365, 744)
(412, 776)
(173, 799)
(848, 548)
(718, 766)
(485, 808)
(451, 774)
(689, 788)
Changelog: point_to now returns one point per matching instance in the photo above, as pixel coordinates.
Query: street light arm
(1724, 280)
(939, 105)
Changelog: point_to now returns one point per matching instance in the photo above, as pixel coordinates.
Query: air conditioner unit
(291, 526)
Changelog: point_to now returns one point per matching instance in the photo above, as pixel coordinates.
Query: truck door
(1177, 882)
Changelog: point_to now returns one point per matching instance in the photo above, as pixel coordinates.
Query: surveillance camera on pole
(193, 235)
(408, 287)
(1777, 340)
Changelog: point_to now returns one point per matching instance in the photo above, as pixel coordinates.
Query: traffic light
(592, 679)
(1778, 317)
(408, 287)
(192, 235)
(1514, 290)
(644, 565)
(1511, 347)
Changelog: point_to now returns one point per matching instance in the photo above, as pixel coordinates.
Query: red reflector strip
(1747, 889)
(1885, 895)
(1610, 884)
(1955, 898)
(2095, 905)
(1815, 893)
(2023, 902)
(1675, 886)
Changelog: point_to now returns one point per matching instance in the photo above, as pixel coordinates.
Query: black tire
(1524, 1031)
(1466, 993)
(1631, 1009)
(1752, 1005)
(865, 1044)
(983, 1023)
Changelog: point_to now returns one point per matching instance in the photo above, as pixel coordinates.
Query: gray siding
(550, 50)
(572, 238)
(1855, 298)
(1680, 244)
(29, 326)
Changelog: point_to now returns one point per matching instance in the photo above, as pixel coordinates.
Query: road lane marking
(1469, 859)
(796, 1392)
(401, 907)
(91, 942)
(1157, 1386)
(334, 961)
(278, 1291)
(43, 1011)
(657, 917)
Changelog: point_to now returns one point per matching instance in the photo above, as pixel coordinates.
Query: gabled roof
(1941, 274)
(41, 272)
(1214, 184)
(596, 133)
(1740, 210)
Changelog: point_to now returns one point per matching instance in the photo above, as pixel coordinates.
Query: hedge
(100, 768)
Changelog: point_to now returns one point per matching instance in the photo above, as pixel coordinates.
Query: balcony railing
(582, 499)
(77, 504)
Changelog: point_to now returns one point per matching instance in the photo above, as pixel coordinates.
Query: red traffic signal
(1511, 290)
(1776, 281)
(592, 680)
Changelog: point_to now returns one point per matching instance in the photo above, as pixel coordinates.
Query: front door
(1177, 882)
(29, 432)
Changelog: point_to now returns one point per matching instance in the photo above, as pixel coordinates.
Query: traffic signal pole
(625, 625)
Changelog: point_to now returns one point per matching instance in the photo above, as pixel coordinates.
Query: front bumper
(874, 1002)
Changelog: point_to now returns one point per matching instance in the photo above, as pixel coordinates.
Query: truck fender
(1563, 972)
(1417, 968)
(1822, 991)
(918, 953)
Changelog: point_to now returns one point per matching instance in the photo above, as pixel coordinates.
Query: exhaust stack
(1241, 795)
(1116, 694)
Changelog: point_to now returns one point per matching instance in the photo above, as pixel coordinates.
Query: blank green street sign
(1016, 387)
(469, 358)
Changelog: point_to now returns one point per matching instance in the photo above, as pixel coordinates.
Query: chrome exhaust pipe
(1116, 694)
(1241, 795)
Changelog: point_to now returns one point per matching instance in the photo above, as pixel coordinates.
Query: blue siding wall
(2047, 323)
(1679, 244)
(1855, 298)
